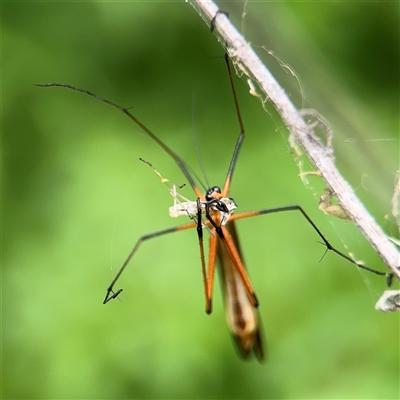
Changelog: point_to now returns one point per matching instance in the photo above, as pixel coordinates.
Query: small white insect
(184, 207)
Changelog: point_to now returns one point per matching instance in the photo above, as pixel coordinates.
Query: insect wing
(242, 318)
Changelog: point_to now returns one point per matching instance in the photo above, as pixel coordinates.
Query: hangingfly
(214, 210)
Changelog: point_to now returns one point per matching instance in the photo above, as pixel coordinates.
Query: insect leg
(250, 214)
(110, 290)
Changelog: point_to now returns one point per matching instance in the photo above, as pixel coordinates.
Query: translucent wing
(242, 317)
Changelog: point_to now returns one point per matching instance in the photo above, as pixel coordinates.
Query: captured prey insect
(214, 210)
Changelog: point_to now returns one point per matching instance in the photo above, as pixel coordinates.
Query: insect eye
(211, 191)
(209, 195)
(216, 189)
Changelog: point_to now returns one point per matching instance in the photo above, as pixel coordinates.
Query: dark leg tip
(389, 280)
(255, 300)
(208, 307)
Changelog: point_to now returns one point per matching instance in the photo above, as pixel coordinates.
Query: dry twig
(245, 59)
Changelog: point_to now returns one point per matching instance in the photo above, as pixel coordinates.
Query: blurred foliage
(76, 198)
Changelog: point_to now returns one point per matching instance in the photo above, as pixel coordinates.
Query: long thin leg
(182, 165)
(199, 229)
(212, 258)
(235, 257)
(227, 184)
(250, 214)
(110, 290)
(228, 242)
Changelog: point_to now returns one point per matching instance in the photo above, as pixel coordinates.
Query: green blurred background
(76, 198)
